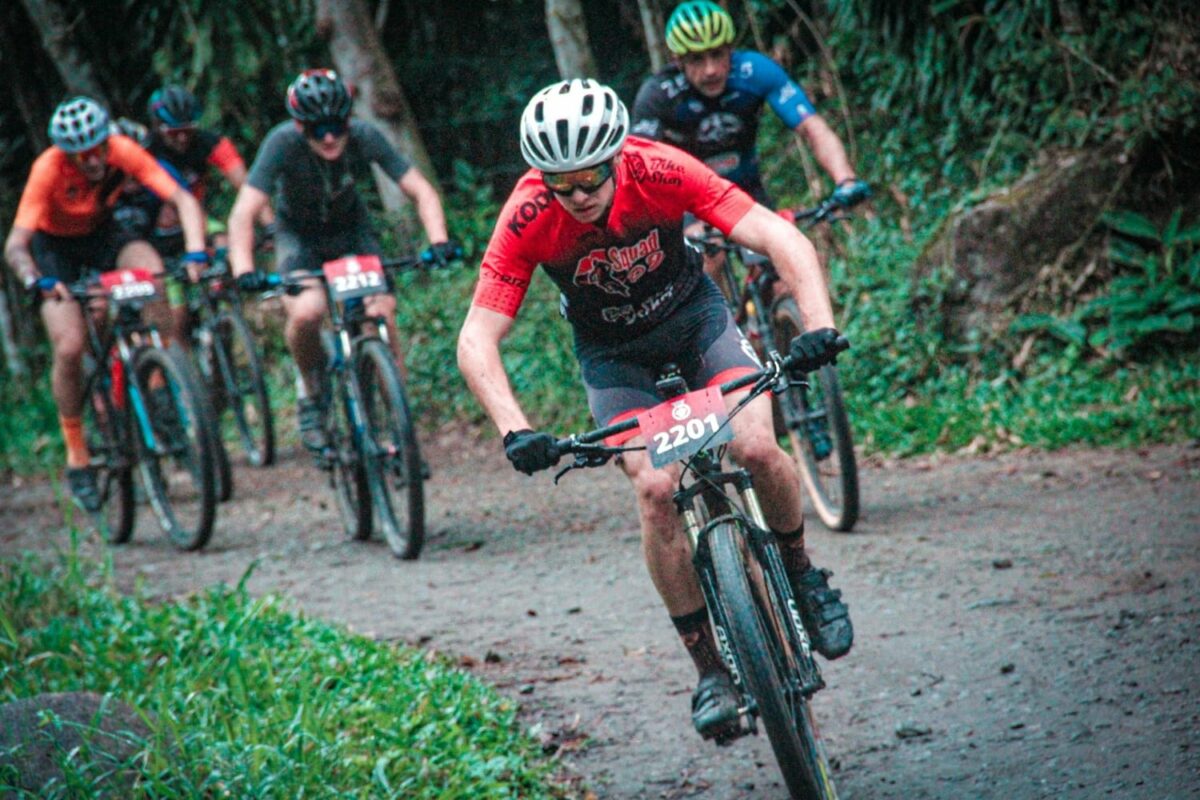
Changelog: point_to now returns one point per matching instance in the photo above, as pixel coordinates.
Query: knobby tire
(832, 481)
(243, 387)
(763, 661)
(394, 462)
(184, 500)
(106, 432)
(348, 474)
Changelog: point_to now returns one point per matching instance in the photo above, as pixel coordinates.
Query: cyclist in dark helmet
(308, 167)
(176, 139)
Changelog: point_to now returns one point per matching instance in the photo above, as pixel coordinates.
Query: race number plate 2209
(685, 425)
(355, 276)
(129, 285)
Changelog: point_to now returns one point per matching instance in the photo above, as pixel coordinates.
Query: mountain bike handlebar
(589, 443)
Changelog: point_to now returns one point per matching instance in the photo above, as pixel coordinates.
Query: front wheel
(813, 418)
(759, 641)
(174, 449)
(240, 386)
(105, 428)
(393, 456)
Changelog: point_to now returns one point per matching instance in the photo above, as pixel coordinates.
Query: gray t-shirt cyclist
(313, 196)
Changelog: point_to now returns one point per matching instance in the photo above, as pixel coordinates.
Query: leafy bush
(1152, 298)
(251, 699)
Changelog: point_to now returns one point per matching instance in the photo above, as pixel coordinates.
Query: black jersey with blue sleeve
(721, 131)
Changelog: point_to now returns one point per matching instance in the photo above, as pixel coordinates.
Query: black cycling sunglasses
(326, 127)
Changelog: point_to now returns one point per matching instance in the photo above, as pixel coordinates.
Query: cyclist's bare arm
(249, 204)
(236, 175)
(794, 258)
(826, 147)
(429, 205)
(18, 254)
(480, 364)
(191, 218)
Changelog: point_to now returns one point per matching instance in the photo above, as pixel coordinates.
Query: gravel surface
(1027, 625)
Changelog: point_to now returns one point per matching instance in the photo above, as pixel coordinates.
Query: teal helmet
(698, 25)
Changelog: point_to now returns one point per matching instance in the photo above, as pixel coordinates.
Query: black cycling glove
(812, 350)
(253, 281)
(442, 253)
(850, 192)
(530, 451)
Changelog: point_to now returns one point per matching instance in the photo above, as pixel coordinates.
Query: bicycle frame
(122, 330)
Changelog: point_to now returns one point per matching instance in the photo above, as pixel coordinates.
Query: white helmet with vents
(573, 125)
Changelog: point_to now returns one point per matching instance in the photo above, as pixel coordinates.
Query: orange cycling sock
(77, 451)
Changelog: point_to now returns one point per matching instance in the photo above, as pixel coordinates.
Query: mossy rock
(71, 743)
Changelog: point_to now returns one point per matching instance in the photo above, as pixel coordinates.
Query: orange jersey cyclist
(64, 230)
(601, 212)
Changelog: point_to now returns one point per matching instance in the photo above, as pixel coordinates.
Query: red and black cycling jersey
(204, 149)
(621, 278)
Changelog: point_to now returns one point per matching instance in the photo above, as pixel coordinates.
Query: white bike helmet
(78, 124)
(573, 125)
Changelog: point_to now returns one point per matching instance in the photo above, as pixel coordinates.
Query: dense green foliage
(250, 699)
(940, 103)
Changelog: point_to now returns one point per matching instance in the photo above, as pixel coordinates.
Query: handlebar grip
(841, 343)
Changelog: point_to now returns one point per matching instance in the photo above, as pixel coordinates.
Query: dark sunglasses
(588, 180)
(95, 151)
(178, 131)
(327, 127)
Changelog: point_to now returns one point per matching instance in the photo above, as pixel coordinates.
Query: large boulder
(995, 249)
(39, 734)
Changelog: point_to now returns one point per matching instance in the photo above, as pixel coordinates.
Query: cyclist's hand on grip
(253, 281)
(46, 288)
(440, 254)
(812, 350)
(850, 192)
(530, 451)
(194, 262)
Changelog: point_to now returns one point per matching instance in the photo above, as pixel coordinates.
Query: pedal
(729, 733)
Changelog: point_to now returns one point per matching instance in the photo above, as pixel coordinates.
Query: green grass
(255, 700)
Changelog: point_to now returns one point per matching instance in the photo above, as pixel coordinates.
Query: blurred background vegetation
(944, 106)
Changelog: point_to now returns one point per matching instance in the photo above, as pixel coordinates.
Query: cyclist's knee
(305, 313)
(140, 254)
(655, 489)
(757, 450)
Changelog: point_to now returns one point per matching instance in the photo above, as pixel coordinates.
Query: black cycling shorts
(701, 338)
(70, 258)
(294, 251)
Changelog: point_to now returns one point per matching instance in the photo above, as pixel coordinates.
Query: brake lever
(582, 461)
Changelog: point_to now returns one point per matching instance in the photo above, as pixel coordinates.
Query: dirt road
(1028, 626)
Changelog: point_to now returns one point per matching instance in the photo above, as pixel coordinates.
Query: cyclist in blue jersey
(708, 102)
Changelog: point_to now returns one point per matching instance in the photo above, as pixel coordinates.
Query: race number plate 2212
(685, 425)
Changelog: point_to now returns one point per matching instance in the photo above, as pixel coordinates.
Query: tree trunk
(359, 57)
(568, 36)
(50, 18)
(652, 26)
(8, 337)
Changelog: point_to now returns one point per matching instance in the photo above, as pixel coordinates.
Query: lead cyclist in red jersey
(64, 228)
(602, 213)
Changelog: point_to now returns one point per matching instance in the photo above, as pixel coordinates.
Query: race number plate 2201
(355, 276)
(685, 425)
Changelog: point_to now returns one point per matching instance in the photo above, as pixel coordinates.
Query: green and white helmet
(698, 25)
